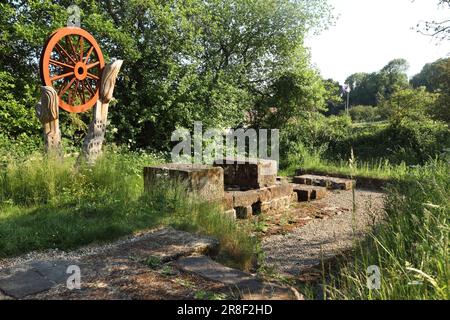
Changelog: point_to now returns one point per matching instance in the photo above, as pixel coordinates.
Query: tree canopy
(213, 61)
(370, 88)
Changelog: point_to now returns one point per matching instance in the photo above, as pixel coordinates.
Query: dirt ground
(325, 229)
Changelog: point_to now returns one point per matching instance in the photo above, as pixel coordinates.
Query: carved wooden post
(47, 110)
(93, 142)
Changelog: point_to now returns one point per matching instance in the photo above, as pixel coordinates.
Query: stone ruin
(244, 188)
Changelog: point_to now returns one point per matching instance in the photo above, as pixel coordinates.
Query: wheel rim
(72, 62)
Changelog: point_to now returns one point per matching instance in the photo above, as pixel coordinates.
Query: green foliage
(411, 247)
(369, 89)
(436, 78)
(296, 91)
(332, 138)
(409, 105)
(333, 97)
(365, 114)
(16, 118)
(433, 76)
(209, 61)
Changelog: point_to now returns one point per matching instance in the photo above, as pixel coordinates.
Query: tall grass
(410, 247)
(48, 203)
(313, 160)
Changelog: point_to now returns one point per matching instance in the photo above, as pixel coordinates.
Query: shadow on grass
(67, 227)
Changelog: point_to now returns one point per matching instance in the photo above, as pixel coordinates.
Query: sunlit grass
(48, 203)
(411, 247)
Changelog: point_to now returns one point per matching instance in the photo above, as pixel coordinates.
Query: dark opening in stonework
(256, 208)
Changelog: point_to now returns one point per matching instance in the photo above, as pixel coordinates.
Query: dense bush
(365, 114)
(333, 138)
(16, 117)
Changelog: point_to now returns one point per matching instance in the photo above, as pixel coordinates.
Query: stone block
(248, 174)
(245, 198)
(281, 190)
(246, 285)
(308, 193)
(327, 182)
(228, 201)
(244, 212)
(265, 194)
(204, 181)
(266, 207)
(282, 180)
(231, 214)
(319, 193)
(25, 283)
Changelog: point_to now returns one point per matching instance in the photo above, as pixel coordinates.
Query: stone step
(244, 204)
(328, 182)
(307, 193)
(247, 286)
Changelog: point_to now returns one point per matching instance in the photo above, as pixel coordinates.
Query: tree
(365, 88)
(370, 88)
(333, 97)
(437, 29)
(434, 76)
(294, 93)
(364, 113)
(413, 105)
(205, 60)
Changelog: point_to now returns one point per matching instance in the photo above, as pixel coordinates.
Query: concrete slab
(167, 244)
(328, 182)
(247, 286)
(55, 271)
(25, 283)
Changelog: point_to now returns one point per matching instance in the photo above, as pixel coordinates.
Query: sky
(370, 33)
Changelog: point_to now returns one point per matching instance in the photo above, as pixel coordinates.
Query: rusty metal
(72, 63)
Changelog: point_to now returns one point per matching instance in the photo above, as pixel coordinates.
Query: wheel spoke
(89, 54)
(68, 40)
(61, 76)
(83, 97)
(63, 91)
(81, 47)
(92, 65)
(60, 64)
(92, 76)
(76, 93)
(89, 87)
(63, 51)
(70, 97)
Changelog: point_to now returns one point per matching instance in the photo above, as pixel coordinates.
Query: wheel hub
(80, 71)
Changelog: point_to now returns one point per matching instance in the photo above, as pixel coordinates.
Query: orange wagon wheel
(72, 63)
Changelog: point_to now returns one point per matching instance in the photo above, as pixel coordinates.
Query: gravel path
(55, 254)
(324, 238)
